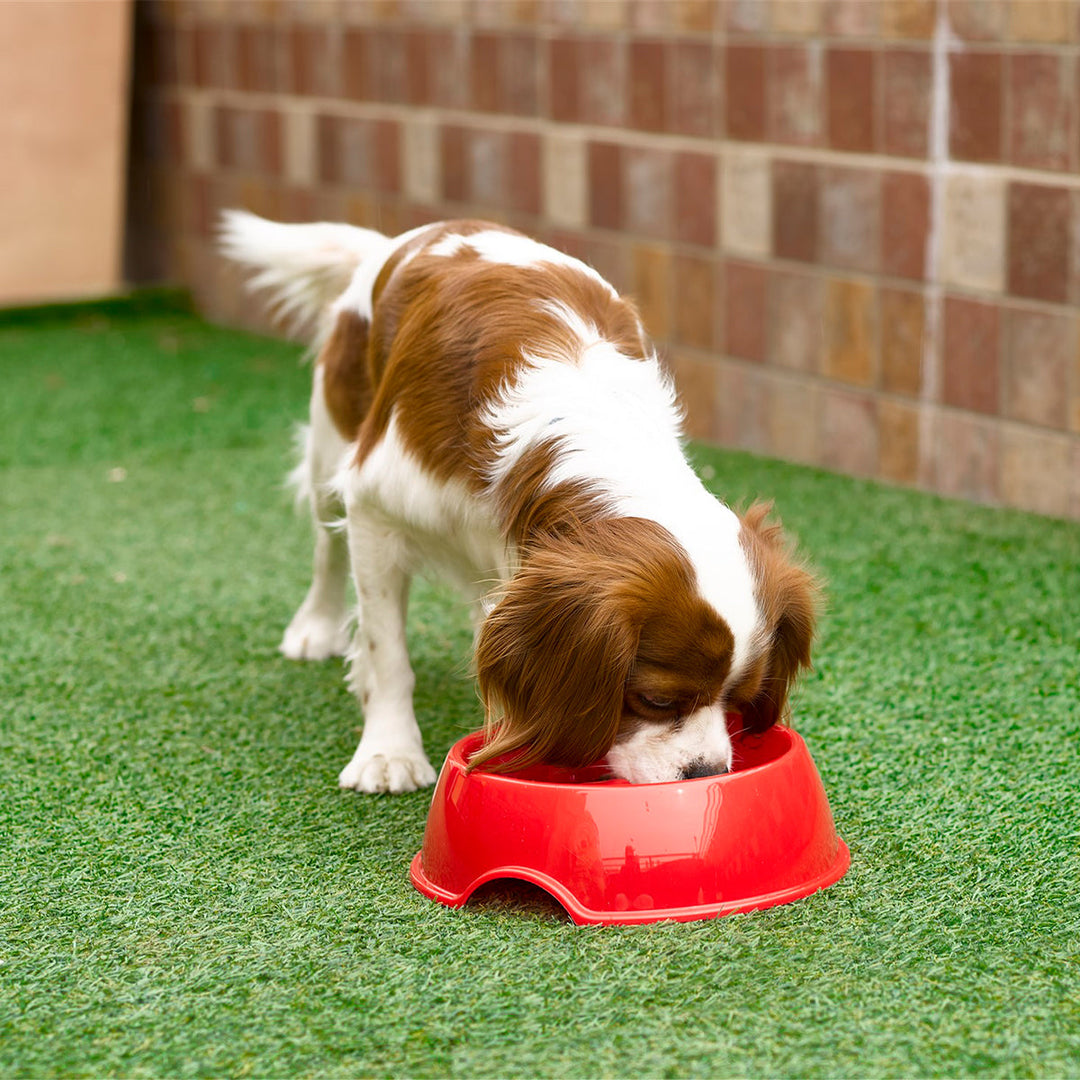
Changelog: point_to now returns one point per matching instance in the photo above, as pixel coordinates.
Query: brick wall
(853, 225)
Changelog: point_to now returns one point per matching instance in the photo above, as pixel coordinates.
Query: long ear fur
(788, 594)
(554, 657)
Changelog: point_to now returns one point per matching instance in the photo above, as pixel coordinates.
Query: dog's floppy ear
(554, 656)
(788, 596)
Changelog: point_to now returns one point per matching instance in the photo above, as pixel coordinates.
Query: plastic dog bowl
(614, 852)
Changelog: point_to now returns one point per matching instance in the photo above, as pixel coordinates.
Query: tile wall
(853, 225)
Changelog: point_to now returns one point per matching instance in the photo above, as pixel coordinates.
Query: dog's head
(602, 644)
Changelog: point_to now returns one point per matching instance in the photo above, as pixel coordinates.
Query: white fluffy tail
(303, 268)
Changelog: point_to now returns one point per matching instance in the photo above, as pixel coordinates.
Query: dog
(489, 409)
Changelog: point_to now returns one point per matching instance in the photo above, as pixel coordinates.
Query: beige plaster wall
(64, 77)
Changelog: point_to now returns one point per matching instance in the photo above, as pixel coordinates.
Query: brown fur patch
(594, 621)
(788, 596)
(346, 383)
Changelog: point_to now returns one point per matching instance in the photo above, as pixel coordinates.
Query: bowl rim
(456, 756)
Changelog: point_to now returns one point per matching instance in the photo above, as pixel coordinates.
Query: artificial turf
(185, 892)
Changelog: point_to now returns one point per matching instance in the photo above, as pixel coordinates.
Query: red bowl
(614, 852)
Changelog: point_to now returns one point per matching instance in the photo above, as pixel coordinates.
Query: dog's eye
(657, 702)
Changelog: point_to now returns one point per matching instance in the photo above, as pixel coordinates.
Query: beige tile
(746, 202)
(651, 288)
(849, 432)
(1036, 470)
(422, 173)
(604, 14)
(1042, 20)
(696, 380)
(898, 442)
(200, 132)
(794, 426)
(851, 331)
(300, 152)
(967, 460)
(802, 17)
(565, 179)
(973, 242)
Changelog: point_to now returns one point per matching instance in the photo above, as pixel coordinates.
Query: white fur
(303, 267)
(495, 245)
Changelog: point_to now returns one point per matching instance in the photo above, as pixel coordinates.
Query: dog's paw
(396, 771)
(315, 637)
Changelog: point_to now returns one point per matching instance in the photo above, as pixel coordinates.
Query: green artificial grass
(185, 892)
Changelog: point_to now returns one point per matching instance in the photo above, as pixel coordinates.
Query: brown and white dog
(489, 409)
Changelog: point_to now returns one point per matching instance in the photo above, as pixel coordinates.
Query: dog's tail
(302, 268)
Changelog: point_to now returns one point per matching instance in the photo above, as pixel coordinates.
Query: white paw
(395, 771)
(315, 637)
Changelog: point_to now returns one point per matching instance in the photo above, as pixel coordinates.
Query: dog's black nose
(697, 769)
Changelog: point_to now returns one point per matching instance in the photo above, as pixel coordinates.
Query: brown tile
(745, 302)
(603, 81)
(1035, 471)
(695, 379)
(564, 91)
(454, 167)
(903, 324)
(1049, 21)
(314, 60)
(850, 218)
(387, 65)
(648, 85)
(259, 54)
(519, 75)
(647, 191)
(978, 20)
(1039, 228)
(850, 79)
(356, 72)
(213, 55)
(905, 224)
(795, 83)
(695, 198)
(1040, 348)
(694, 85)
(651, 288)
(795, 321)
(908, 18)
(1042, 109)
(907, 79)
(851, 331)
(849, 432)
(484, 72)
(448, 79)
(795, 210)
(967, 457)
(694, 296)
(744, 92)
(523, 167)
(975, 95)
(605, 185)
(971, 360)
(898, 442)
(417, 75)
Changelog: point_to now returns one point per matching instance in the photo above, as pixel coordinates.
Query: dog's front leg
(390, 756)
